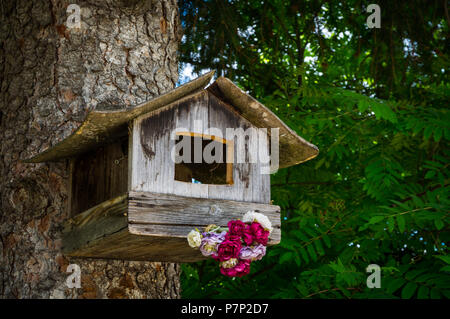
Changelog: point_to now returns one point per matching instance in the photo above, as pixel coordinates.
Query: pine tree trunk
(51, 75)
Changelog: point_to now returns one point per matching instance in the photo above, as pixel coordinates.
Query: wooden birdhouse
(139, 183)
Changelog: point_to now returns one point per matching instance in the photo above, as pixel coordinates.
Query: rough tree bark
(51, 75)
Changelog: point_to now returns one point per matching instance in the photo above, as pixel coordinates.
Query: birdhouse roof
(102, 124)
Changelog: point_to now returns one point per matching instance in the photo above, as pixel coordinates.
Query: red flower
(232, 237)
(236, 227)
(241, 269)
(228, 249)
(229, 272)
(247, 236)
(260, 235)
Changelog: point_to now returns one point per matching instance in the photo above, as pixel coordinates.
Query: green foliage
(375, 102)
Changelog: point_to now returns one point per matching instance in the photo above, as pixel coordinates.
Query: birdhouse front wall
(151, 164)
(131, 199)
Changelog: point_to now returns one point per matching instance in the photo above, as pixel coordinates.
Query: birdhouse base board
(153, 227)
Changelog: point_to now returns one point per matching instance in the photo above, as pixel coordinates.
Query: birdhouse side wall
(98, 175)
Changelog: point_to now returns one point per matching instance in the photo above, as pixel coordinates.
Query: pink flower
(228, 249)
(210, 243)
(236, 227)
(241, 269)
(252, 253)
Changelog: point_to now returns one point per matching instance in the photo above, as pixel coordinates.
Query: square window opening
(203, 159)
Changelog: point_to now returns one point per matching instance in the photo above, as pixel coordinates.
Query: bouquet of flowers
(235, 247)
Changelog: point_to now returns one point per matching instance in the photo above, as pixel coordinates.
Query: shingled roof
(102, 124)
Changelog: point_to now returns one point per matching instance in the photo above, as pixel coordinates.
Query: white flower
(230, 263)
(194, 239)
(252, 216)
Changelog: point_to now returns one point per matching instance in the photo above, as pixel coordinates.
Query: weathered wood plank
(150, 208)
(125, 246)
(97, 222)
(152, 168)
(223, 117)
(191, 117)
(262, 192)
